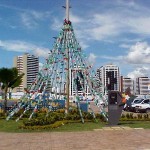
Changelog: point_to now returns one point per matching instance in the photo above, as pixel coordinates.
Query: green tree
(10, 78)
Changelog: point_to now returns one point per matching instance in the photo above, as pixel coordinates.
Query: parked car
(129, 106)
(133, 105)
(143, 106)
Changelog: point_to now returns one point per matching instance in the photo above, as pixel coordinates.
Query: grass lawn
(136, 124)
(9, 126)
(87, 126)
(12, 126)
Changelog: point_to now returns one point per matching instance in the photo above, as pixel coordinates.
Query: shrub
(73, 111)
(18, 113)
(101, 117)
(88, 116)
(123, 116)
(60, 110)
(2, 115)
(128, 116)
(131, 116)
(146, 116)
(57, 116)
(139, 116)
(25, 115)
(51, 126)
(71, 116)
(41, 119)
(44, 110)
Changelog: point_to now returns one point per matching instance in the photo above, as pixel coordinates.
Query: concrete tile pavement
(90, 140)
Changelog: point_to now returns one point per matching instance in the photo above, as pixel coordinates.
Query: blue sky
(109, 31)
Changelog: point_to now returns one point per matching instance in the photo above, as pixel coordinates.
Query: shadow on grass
(127, 123)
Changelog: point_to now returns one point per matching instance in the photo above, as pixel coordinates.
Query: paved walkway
(104, 139)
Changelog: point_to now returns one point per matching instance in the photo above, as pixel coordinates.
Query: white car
(143, 106)
(131, 107)
(136, 100)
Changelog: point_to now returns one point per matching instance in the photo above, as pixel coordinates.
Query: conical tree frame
(66, 69)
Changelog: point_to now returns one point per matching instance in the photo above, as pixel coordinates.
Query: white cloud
(28, 21)
(124, 19)
(21, 46)
(41, 51)
(57, 22)
(124, 45)
(31, 18)
(139, 53)
(83, 45)
(56, 25)
(75, 19)
(40, 66)
(96, 27)
(40, 15)
(139, 25)
(102, 26)
(117, 58)
(17, 46)
(106, 26)
(139, 72)
(127, 18)
(130, 3)
(92, 58)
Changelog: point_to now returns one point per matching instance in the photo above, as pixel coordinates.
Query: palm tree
(10, 78)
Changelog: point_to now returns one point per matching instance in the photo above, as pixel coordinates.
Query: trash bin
(115, 107)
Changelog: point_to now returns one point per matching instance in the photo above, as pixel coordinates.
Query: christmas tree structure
(65, 76)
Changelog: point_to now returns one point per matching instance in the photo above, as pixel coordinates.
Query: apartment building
(109, 75)
(28, 64)
(127, 83)
(142, 86)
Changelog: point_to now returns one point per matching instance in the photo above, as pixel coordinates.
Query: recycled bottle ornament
(55, 72)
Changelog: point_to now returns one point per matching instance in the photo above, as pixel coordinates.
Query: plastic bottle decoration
(65, 58)
(54, 71)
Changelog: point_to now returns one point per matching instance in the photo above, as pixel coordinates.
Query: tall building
(142, 85)
(110, 77)
(127, 83)
(28, 64)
